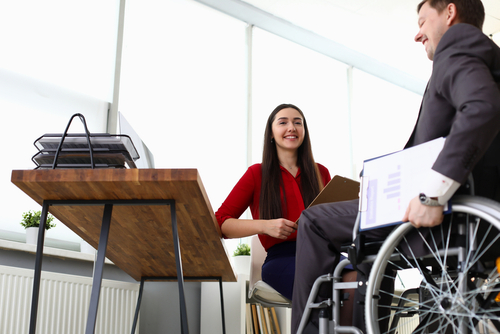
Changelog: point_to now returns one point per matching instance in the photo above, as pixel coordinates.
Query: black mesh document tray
(108, 151)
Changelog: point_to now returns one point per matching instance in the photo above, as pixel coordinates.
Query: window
(182, 88)
(383, 116)
(58, 59)
(284, 72)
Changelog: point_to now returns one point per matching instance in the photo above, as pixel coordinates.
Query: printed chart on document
(391, 181)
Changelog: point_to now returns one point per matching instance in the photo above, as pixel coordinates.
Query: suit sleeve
(462, 70)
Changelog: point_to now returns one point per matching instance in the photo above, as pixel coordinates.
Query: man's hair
(468, 11)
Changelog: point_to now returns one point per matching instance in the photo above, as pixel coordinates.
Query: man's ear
(451, 14)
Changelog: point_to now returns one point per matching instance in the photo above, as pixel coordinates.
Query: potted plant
(31, 222)
(241, 259)
(242, 249)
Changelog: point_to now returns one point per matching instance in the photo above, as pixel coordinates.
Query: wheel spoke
(456, 283)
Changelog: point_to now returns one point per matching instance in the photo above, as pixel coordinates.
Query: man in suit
(461, 103)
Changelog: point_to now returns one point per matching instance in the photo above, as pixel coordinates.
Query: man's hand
(420, 215)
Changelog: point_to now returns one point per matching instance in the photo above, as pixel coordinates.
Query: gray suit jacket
(462, 103)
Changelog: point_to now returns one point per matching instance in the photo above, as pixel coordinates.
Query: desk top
(140, 238)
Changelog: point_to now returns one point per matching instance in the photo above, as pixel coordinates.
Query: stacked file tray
(105, 151)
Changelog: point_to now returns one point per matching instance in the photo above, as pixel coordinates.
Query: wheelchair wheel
(451, 274)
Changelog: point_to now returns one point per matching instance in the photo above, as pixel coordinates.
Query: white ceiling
(381, 29)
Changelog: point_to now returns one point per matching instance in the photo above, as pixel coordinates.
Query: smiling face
(288, 129)
(432, 26)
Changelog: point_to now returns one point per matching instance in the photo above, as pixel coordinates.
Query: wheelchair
(454, 269)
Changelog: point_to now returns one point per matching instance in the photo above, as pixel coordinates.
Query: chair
(259, 290)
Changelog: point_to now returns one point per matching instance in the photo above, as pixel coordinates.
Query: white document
(390, 182)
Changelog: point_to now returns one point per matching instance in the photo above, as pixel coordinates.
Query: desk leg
(180, 275)
(98, 269)
(222, 306)
(138, 307)
(38, 268)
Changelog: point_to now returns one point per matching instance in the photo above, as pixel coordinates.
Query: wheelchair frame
(465, 307)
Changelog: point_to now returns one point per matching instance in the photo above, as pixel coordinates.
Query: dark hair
(311, 182)
(468, 11)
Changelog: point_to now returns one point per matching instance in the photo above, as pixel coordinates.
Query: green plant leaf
(32, 219)
(242, 249)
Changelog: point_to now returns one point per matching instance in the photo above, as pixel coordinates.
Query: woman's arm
(239, 228)
(242, 196)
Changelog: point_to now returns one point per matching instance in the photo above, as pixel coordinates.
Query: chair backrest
(257, 257)
(259, 290)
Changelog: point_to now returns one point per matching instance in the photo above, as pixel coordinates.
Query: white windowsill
(49, 251)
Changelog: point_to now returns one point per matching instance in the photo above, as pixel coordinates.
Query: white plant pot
(32, 235)
(242, 264)
(86, 248)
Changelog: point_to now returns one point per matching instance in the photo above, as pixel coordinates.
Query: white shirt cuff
(440, 186)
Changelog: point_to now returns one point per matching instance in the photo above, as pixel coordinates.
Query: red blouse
(246, 193)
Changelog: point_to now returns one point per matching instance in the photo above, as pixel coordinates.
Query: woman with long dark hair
(277, 191)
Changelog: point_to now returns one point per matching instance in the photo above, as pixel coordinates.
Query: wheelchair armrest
(359, 248)
(356, 251)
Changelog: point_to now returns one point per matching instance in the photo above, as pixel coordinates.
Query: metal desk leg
(38, 268)
(222, 306)
(98, 269)
(180, 276)
(138, 307)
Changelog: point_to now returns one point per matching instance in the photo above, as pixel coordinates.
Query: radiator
(63, 303)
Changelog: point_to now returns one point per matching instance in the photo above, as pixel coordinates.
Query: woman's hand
(280, 228)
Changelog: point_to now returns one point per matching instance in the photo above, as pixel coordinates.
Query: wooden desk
(142, 236)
